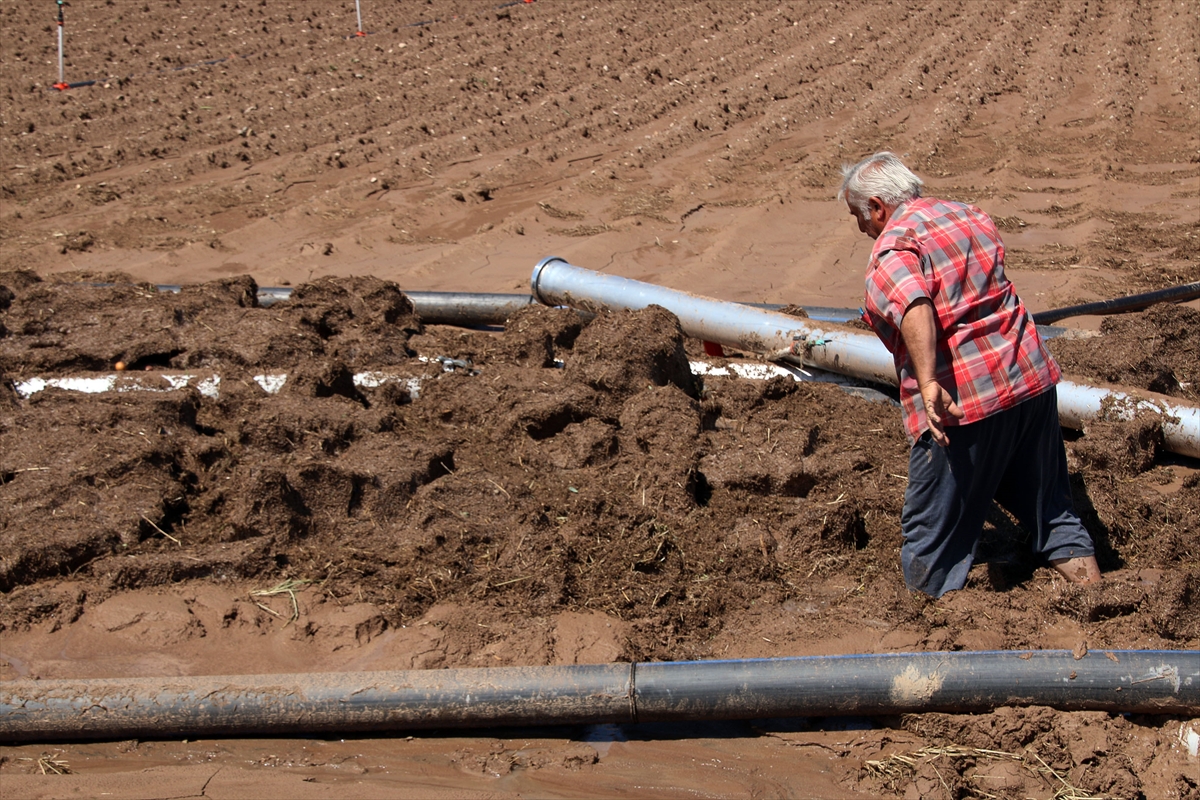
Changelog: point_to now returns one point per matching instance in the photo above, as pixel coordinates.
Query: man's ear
(875, 209)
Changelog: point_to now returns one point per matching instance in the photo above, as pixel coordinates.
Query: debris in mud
(1021, 752)
(1157, 350)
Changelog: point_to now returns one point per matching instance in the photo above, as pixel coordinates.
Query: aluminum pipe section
(436, 308)
(557, 283)
(1135, 681)
(484, 308)
(843, 315)
(860, 355)
(467, 308)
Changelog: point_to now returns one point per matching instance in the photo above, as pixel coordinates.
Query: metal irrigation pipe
(840, 350)
(493, 308)
(1129, 681)
(435, 308)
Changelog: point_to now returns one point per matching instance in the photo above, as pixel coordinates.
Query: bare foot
(1081, 569)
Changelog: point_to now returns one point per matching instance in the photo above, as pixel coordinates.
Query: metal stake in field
(358, 13)
(62, 84)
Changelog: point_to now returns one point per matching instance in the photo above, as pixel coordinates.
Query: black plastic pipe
(1134, 302)
(1137, 681)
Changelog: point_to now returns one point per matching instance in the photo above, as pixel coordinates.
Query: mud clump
(463, 482)
(1157, 350)
(620, 357)
(359, 320)
(1122, 448)
(1012, 749)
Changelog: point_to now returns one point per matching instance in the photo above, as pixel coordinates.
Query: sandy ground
(531, 515)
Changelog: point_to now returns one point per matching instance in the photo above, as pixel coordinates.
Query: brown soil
(519, 512)
(1158, 350)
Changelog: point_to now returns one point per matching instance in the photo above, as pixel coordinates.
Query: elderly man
(976, 384)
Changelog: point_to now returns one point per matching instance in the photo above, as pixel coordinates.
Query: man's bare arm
(919, 331)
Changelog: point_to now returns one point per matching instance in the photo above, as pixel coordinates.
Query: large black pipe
(1146, 681)
(1151, 682)
(1135, 302)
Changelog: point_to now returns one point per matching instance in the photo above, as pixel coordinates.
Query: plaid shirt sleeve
(895, 282)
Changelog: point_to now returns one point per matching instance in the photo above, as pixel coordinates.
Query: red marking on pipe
(62, 87)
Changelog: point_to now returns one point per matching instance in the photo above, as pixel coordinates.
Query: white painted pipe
(62, 81)
(558, 283)
(1078, 403)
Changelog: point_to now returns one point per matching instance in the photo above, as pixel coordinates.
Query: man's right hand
(938, 406)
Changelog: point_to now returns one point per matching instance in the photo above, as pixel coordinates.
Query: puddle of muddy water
(781, 758)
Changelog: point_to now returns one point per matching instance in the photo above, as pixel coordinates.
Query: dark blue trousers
(1015, 457)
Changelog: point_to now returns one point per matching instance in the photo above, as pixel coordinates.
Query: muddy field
(576, 494)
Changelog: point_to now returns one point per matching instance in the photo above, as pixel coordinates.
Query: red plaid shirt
(989, 354)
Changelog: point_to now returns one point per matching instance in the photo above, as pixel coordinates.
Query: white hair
(882, 175)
